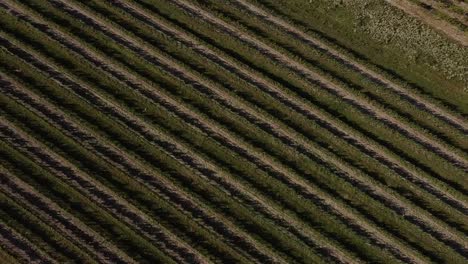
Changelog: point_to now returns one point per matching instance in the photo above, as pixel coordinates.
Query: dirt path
(420, 13)
(463, 19)
(21, 248)
(368, 108)
(444, 114)
(61, 221)
(98, 193)
(156, 183)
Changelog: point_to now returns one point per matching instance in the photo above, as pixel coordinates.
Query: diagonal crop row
(51, 213)
(70, 199)
(420, 13)
(118, 159)
(366, 107)
(444, 12)
(155, 154)
(326, 64)
(184, 158)
(182, 38)
(421, 83)
(441, 167)
(364, 147)
(357, 66)
(19, 246)
(40, 234)
(82, 140)
(99, 193)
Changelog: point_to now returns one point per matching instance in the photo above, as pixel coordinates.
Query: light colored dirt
(422, 14)
(443, 9)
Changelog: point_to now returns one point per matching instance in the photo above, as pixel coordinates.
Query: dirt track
(423, 15)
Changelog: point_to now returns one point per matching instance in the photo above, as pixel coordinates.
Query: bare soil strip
(21, 248)
(100, 194)
(440, 234)
(444, 114)
(443, 9)
(61, 220)
(425, 16)
(371, 109)
(136, 170)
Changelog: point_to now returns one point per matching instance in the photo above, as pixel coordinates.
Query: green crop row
(419, 55)
(428, 161)
(82, 208)
(224, 81)
(247, 219)
(321, 62)
(40, 234)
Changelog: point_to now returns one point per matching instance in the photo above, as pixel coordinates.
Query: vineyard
(237, 131)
